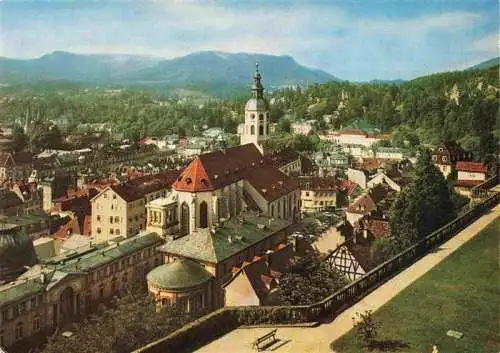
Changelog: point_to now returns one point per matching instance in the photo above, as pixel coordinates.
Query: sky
(355, 40)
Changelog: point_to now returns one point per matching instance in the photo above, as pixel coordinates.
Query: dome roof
(256, 104)
(16, 251)
(179, 275)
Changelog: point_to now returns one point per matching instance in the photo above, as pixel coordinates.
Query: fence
(226, 319)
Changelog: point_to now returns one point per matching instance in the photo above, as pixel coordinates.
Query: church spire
(257, 89)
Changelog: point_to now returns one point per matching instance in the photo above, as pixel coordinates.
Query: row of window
(19, 330)
(120, 265)
(15, 311)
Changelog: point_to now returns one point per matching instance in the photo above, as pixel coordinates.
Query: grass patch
(462, 293)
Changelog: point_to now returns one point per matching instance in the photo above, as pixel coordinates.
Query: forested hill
(459, 105)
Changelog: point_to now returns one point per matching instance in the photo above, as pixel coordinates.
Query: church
(226, 208)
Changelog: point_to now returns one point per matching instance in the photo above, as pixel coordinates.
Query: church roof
(218, 169)
(270, 182)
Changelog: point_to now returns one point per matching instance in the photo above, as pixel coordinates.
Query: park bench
(265, 340)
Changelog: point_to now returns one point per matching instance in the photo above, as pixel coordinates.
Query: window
(111, 231)
(22, 307)
(117, 219)
(19, 331)
(99, 230)
(445, 159)
(117, 231)
(101, 290)
(252, 130)
(2, 343)
(98, 218)
(111, 219)
(261, 117)
(36, 323)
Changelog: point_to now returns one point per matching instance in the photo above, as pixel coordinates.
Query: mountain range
(199, 67)
(213, 72)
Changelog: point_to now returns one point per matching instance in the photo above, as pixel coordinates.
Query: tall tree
(423, 206)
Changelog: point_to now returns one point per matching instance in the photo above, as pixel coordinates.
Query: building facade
(70, 287)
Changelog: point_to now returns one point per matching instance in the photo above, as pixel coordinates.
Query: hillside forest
(459, 105)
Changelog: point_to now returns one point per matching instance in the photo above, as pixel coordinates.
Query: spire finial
(257, 66)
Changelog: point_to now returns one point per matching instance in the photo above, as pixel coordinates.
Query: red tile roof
(215, 170)
(18, 158)
(468, 183)
(193, 179)
(221, 168)
(378, 228)
(318, 183)
(87, 226)
(474, 167)
(348, 185)
(282, 157)
(135, 189)
(71, 227)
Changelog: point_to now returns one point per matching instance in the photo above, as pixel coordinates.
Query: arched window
(261, 130)
(261, 117)
(184, 218)
(203, 215)
(252, 116)
(252, 130)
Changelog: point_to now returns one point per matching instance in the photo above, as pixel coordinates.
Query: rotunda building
(16, 252)
(183, 282)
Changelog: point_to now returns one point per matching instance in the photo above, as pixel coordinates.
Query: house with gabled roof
(120, 209)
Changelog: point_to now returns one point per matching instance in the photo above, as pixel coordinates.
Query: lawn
(462, 293)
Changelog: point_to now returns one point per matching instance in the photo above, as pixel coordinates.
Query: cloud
(488, 45)
(349, 45)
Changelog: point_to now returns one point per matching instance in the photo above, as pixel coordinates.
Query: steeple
(256, 127)
(257, 89)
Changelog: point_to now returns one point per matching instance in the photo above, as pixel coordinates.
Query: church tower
(256, 127)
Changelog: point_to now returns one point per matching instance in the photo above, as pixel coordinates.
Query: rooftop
(226, 240)
(86, 258)
(179, 275)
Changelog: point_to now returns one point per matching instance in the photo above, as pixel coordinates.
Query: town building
(302, 127)
(446, 155)
(65, 288)
(120, 209)
(469, 174)
(375, 202)
(318, 193)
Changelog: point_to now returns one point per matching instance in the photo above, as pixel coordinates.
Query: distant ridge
(198, 67)
(486, 64)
